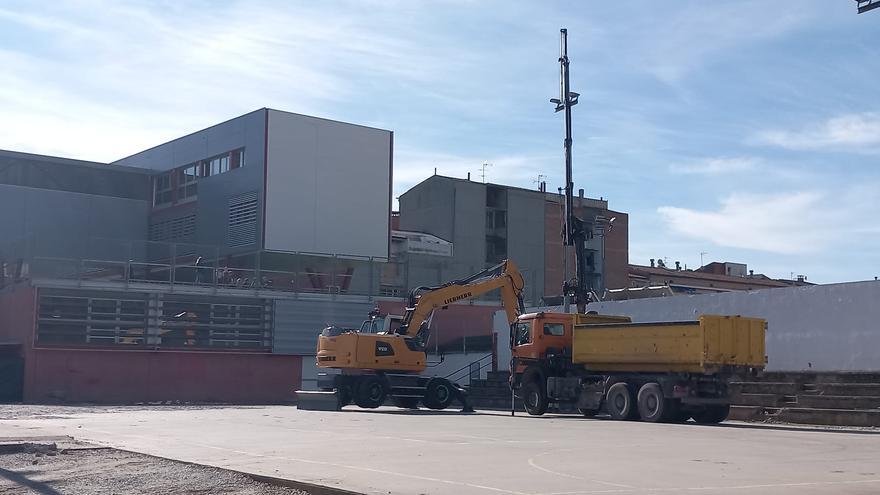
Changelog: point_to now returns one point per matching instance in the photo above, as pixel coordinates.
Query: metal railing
(188, 264)
(472, 370)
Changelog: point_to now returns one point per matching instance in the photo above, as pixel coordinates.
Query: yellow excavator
(385, 358)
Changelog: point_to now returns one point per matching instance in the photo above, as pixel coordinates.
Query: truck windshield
(522, 333)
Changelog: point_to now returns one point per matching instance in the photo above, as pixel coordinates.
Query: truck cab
(541, 336)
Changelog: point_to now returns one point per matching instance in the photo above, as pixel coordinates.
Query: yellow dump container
(707, 345)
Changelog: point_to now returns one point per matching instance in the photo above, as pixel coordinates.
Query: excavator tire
(370, 392)
(439, 394)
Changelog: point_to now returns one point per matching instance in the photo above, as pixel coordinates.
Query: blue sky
(748, 130)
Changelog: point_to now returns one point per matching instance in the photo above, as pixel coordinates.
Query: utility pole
(566, 100)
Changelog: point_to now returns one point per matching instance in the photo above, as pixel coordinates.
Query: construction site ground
(444, 452)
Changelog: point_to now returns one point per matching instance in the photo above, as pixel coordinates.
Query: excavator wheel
(370, 393)
(439, 394)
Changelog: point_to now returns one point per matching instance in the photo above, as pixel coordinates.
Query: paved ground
(390, 451)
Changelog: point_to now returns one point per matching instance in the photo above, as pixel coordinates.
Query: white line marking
(557, 473)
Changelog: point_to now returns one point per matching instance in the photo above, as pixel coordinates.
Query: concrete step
(778, 388)
(848, 389)
(835, 417)
(500, 375)
(821, 377)
(838, 402)
(764, 400)
(804, 415)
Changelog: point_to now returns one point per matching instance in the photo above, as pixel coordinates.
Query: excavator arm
(422, 301)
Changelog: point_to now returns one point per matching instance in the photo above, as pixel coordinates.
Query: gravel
(108, 471)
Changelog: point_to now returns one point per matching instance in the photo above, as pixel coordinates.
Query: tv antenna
(483, 170)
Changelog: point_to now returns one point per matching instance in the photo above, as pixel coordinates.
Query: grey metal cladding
(298, 323)
(242, 220)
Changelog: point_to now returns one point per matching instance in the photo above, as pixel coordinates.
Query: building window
(496, 249)
(186, 182)
(218, 165)
(237, 159)
(162, 190)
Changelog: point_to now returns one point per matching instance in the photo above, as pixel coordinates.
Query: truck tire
(711, 415)
(534, 398)
(439, 394)
(370, 392)
(653, 407)
(620, 402)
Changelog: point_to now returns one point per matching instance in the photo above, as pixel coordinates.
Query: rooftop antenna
(702, 253)
(539, 180)
(483, 169)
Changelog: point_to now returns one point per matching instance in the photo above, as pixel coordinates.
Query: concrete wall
(61, 223)
(821, 328)
(214, 193)
(328, 186)
(525, 238)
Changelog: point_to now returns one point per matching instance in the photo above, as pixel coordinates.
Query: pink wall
(58, 375)
(128, 376)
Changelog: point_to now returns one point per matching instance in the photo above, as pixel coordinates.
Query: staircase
(492, 392)
(823, 398)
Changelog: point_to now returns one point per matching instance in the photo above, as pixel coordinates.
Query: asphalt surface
(425, 452)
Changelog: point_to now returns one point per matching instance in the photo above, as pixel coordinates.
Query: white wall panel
(822, 328)
(328, 186)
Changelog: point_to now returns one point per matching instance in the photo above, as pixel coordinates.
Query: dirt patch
(108, 471)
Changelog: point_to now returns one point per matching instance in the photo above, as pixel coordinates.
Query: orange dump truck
(669, 371)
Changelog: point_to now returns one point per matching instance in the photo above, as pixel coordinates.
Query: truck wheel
(711, 415)
(439, 394)
(370, 392)
(406, 402)
(653, 407)
(535, 399)
(619, 402)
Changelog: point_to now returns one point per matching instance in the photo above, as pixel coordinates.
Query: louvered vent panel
(175, 229)
(242, 223)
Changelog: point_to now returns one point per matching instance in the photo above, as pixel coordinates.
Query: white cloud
(789, 223)
(716, 166)
(858, 132)
(105, 80)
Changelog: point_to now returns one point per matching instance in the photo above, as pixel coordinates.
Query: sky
(748, 131)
